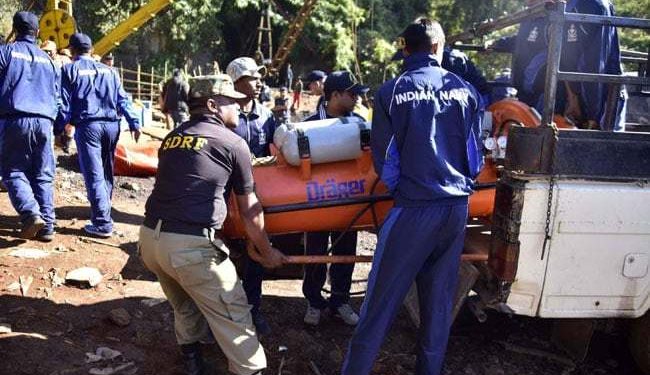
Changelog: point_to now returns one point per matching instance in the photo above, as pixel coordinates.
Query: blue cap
(343, 80)
(25, 23)
(315, 75)
(81, 42)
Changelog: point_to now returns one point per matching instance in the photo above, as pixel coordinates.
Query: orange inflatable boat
(136, 159)
(313, 193)
(308, 198)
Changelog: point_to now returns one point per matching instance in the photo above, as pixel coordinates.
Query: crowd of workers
(40, 96)
(426, 148)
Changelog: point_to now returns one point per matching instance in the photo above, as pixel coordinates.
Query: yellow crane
(57, 24)
(130, 25)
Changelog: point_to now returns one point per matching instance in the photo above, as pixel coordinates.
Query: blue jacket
(458, 63)
(92, 91)
(590, 48)
(530, 54)
(586, 48)
(425, 138)
(257, 128)
(29, 80)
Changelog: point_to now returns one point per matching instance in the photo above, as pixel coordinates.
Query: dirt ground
(54, 325)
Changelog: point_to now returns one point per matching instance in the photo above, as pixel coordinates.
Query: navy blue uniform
(93, 98)
(593, 48)
(257, 129)
(458, 63)
(29, 86)
(530, 54)
(317, 243)
(425, 146)
(585, 48)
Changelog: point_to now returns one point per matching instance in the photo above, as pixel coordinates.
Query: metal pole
(646, 73)
(556, 19)
(138, 80)
(151, 82)
(628, 22)
(488, 27)
(292, 207)
(602, 78)
(343, 259)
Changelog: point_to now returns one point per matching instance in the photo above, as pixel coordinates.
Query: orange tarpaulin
(136, 159)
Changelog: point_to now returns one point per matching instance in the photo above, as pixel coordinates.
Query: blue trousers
(254, 275)
(252, 283)
(316, 243)
(96, 143)
(28, 167)
(421, 244)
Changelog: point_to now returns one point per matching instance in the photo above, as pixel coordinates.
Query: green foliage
(7, 10)
(634, 39)
(331, 24)
(340, 34)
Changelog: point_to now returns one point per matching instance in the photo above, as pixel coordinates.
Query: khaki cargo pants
(202, 286)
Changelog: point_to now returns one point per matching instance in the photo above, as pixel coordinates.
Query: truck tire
(639, 342)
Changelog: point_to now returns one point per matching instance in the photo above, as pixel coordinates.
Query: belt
(20, 115)
(99, 119)
(180, 228)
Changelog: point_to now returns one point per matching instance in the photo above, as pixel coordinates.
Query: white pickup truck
(570, 235)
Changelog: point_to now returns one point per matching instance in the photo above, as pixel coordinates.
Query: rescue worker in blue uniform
(460, 64)
(585, 48)
(29, 91)
(92, 100)
(426, 149)
(256, 126)
(341, 91)
(591, 48)
(256, 122)
(315, 82)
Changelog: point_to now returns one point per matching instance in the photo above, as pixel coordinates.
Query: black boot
(192, 359)
(66, 141)
(31, 226)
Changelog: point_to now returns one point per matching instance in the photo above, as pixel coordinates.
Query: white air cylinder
(330, 140)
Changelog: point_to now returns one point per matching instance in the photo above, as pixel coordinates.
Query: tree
(7, 10)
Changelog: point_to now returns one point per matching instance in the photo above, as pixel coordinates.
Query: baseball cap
(25, 22)
(343, 80)
(217, 84)
(315, 75)
(413, 35)
(244, 67)
(81, 42)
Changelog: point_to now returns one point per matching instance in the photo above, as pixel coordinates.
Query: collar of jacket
(255, 113)
(211, 119)
(419, 60)
(26, 38)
